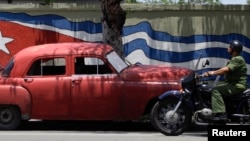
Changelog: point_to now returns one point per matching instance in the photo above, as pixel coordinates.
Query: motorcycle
(177, 110)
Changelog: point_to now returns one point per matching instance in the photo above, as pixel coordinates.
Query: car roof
(87, 48)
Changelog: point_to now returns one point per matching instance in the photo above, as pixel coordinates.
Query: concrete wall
(153, 34)
(42, 1)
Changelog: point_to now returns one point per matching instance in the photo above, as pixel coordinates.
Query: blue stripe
(163, 36)
(53, 20)
(174, 57)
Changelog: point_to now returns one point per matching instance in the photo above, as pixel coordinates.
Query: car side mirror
(206, 63)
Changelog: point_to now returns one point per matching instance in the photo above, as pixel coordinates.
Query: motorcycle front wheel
(164, 119)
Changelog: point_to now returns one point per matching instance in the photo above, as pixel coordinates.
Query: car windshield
(116, 61)
(1, 69)
(8, 68)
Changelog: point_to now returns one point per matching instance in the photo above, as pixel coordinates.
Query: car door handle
(76, 80)
(28, 80)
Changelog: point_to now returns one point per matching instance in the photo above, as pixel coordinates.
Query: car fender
(18, 96)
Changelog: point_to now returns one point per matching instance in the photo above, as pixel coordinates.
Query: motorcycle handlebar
(200, 76)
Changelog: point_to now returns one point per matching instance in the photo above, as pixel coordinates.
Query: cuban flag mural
(141, 43)
(20, 30)
(154, 47)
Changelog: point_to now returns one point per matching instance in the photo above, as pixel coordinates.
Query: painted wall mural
(141, 42)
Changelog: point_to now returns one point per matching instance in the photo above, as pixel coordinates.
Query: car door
(95, 90)
(49, 86)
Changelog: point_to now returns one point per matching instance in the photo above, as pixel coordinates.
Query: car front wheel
(168, 122)
(10, 117)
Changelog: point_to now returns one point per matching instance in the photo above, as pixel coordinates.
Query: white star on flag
(3, 41)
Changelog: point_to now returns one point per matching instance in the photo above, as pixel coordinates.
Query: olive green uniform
(235, 82)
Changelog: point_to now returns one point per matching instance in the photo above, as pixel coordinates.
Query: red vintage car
(81, 81)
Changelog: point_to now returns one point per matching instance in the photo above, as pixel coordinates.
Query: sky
(234, 1)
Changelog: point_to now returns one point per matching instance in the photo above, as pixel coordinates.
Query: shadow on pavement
(87, 126)
(127, 126)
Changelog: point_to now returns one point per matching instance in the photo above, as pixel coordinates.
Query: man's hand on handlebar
(208, 73)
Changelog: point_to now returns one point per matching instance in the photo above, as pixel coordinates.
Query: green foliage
(131, 1)
(181, 2)
(49, 1)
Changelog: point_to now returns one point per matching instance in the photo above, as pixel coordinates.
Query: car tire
(10, 117)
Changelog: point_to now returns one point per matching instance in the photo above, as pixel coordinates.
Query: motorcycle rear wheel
(244, 110)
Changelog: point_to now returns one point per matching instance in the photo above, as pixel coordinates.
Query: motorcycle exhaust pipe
(201, 123)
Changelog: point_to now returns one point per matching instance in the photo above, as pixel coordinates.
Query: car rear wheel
(10, 117)
(166, 121)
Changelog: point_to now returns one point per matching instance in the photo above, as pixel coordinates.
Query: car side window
(91, 65)
(48, 66)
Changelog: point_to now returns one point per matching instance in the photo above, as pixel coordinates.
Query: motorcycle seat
(245, 93)
(233, 97)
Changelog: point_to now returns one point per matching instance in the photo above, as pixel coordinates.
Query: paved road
(95, 131)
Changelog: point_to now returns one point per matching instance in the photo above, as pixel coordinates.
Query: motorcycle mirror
(198, 61)
(206, 63)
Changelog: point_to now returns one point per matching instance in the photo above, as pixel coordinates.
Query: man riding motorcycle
(235, 74)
